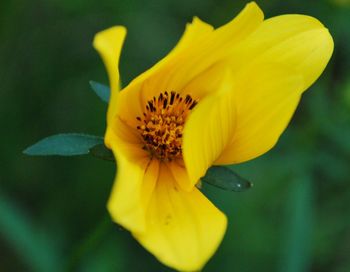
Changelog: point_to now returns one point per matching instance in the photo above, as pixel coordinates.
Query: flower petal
(266, 98)
(299, 44)
(184, 228)
(204, 51)
(122, 138)
(206, 82)
(131, 192)
(138, 90)
(180, 174)
(297, 41)
(209, 129)
(109, 45)
(194, 32)
(198, 50)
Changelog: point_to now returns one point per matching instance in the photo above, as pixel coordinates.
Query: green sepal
(67, 144)
(102, 152)
(101, 90)
(224, 178)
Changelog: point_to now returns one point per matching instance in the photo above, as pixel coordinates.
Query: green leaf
(69, 144)
(226, 179)
(101, 90)
(102, 152)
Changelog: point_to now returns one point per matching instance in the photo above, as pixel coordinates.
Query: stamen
(172, 98)
(162, 124)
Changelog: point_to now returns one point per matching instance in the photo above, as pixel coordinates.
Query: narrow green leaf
(101, 90)
(299, 227)
(69, 144)
(32, 243)
(226, 179)
(89, 243)
(102, 152)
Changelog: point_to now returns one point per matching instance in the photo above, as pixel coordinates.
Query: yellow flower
(221, 96)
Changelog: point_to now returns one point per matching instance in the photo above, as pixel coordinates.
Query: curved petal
(206, 82)
(302, 47)
(109, 44)
(184, 228)
(131, 192)
(138, 90)
(194, 32)
(299, 42)
(209, 129)
(124, 139)
(205, 51)
(266, 98)
(199, 49)
(180, 175)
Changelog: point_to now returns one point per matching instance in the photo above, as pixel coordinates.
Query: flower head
(221, 96)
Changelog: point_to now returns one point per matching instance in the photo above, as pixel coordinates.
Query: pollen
(162, 124)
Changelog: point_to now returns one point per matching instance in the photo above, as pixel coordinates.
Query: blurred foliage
(52, 210)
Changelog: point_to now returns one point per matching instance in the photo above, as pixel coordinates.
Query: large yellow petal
(131, 192)
(266, 98)
(109, 45)
(296, 41)
(184, 228)
(204, 51)
(199, 49)
(209, 129)
(138, 90)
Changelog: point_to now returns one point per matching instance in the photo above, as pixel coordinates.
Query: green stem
(89, 243)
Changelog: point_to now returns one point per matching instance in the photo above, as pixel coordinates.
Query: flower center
(162, 124)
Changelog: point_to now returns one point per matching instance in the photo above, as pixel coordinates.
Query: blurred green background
(52, 210)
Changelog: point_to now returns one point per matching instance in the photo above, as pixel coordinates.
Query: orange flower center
(162, 124)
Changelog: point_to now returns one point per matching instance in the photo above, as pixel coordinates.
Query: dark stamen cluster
(162, 124)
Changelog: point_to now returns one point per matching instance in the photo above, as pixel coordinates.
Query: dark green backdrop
(52, 210)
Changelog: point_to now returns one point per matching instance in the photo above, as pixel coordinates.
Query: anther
(193, 105)
(172, 98)
(162, 124)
